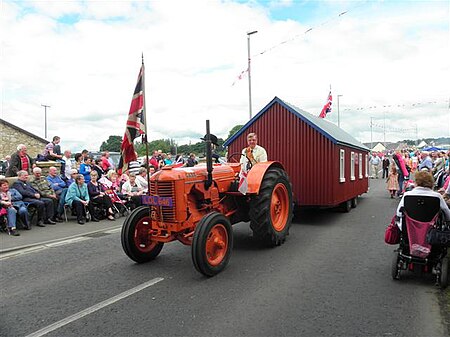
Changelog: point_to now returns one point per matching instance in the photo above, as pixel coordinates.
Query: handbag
(3, 211)
(438, 237)
(392, 233)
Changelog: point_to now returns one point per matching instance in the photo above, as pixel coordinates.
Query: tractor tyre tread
(127, 237)
(260, 218)
(199, 240)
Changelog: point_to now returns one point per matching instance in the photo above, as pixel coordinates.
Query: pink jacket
(402, 164)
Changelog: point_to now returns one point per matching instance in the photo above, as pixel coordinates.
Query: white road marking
(112, 231)
(65, 242)
(24, 251)
(94, 308)
(21, 252)
(55, 243)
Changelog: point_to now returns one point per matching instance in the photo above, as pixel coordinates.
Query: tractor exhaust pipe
(209, 163)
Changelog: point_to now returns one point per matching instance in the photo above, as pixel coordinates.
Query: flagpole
(145, 127)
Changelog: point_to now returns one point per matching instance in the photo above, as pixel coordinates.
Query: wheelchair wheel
(395, 270)
(443, 277)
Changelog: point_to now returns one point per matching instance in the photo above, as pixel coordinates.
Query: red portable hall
(326, 165)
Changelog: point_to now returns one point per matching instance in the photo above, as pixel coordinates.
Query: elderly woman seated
(424, 187)
(111, 181)
(7, 208)
(98, 197)
(77, 197)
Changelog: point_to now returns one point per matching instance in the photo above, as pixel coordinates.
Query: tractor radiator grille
(164, 189)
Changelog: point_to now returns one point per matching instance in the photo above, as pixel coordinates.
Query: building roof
(335, 134)
(2, 121)
(379, 148)
(422, 144)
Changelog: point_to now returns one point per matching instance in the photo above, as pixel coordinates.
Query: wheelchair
(415, 254)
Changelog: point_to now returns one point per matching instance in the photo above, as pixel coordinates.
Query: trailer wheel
(443, 277)
(346, 206)
(354, 202)
(135, 237)
(271, 210)
(212, 244)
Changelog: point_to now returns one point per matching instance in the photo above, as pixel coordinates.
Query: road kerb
(43, 243)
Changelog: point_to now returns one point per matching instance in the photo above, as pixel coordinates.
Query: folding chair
(116, 200)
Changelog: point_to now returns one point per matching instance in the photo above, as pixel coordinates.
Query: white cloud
(86, 69)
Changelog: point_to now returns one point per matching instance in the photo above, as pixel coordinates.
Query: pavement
(38, 236)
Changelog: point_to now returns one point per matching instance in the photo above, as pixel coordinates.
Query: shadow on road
(320, 216)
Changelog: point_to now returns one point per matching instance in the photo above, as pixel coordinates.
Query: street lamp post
(249, 73)
(45, 113)
(339, 117)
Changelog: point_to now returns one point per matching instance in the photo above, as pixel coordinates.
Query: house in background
(12, 135)
(379, 148)
(326, 165)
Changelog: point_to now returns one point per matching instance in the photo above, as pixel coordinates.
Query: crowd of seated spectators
(85, 186)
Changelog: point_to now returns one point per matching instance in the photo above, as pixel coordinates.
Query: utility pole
(45, 114)
(384, 128)
(249, 73)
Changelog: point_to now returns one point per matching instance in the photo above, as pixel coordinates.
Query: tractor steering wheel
(232, 159)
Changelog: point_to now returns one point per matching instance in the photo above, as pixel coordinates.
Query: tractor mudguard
(256, 175)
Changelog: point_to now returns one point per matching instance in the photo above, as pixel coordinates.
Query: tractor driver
(253, 152)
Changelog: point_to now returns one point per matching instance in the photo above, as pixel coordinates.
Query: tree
(165, 145)
(235, 129)
(112, 144)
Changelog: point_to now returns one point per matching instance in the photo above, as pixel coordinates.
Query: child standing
(392, 181)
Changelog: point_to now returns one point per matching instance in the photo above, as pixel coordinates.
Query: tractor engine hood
(194, 174)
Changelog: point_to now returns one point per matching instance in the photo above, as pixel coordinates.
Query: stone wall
(11, 137)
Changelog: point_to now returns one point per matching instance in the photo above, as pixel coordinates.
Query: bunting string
(412, 105)
(392, 129)
(301, 35)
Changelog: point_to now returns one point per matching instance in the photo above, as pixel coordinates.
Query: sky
(389, 62)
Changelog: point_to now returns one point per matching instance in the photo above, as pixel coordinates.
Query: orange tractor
(198, 205)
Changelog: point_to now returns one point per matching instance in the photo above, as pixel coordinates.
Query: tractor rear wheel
(212, 244)
(271, 210)
(135, 236)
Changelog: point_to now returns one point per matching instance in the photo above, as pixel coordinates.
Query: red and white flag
(135, 123)
(243, 182)
(327, 107)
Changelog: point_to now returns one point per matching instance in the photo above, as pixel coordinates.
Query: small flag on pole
(327, 107)
(135, 123)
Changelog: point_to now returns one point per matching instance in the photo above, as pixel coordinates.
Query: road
(330, 278)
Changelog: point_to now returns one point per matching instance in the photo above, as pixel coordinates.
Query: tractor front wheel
(271, 210)
(136, 241)
(212, 244)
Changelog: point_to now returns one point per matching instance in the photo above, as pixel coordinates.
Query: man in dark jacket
(44, 206)
(386, 163)
(19, 161)
(191, 162)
